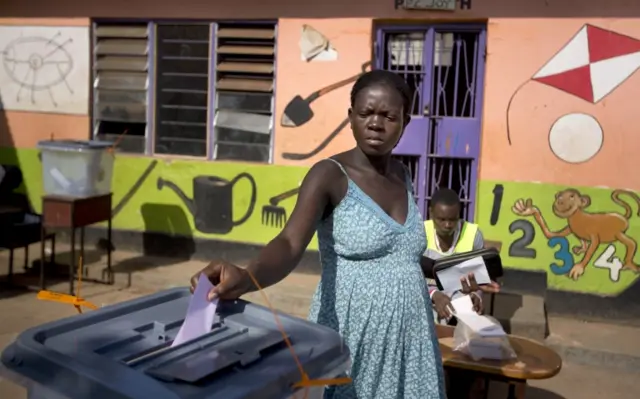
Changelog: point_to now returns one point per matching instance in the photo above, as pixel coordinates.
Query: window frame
(151, 94)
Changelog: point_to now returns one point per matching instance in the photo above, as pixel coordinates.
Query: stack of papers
(481, 326)
(485, 337)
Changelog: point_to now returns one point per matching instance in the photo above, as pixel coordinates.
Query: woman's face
(377, 119)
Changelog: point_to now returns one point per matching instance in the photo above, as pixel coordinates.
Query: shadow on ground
(499, 391)
(12, 292)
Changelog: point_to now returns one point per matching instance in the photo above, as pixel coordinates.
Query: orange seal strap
(304, 382)
(112, 150)
(75, 300)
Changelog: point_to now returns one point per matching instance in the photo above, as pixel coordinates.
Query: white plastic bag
(481, 337)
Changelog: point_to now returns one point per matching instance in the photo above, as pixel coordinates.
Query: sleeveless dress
(372, 291)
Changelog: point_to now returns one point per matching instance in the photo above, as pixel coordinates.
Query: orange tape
(111, 150)
(74, 300)
(304, 382)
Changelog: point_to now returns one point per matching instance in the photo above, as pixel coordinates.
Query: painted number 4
(607, 260)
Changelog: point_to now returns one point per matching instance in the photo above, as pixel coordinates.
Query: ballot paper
(200, 313)
(450, 277)
(462, 304)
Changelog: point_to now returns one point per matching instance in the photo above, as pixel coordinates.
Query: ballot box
(124, 351)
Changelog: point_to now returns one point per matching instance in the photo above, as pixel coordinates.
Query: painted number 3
(562, 254)
(606, 260)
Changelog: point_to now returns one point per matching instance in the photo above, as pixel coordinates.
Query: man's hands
(442, 305)
(477, 302)
(444, 308)
(469, 285)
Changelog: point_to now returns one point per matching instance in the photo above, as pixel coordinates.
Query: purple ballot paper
(200, 313)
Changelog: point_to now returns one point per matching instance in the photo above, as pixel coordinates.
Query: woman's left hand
(477, 302)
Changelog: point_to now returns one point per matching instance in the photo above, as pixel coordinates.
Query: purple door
(445, 66)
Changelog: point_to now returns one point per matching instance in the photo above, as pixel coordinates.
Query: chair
(25, 230)
(19, 225)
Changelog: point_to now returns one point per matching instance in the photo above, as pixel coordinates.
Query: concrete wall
(542, 134)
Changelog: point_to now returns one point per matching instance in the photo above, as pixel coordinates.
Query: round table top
(535, 361)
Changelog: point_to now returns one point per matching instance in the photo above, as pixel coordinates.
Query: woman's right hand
(442, 304)
(229, 280)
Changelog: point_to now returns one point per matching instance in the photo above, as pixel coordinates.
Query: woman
(371, 239)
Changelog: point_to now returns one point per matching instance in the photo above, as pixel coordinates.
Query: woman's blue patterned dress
(373, 292)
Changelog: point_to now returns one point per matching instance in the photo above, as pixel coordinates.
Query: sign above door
(439, 5)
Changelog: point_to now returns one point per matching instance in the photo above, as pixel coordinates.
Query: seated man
(447, 235)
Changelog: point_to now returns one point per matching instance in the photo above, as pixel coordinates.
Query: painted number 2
(520, 247)
(562, 254)
(607, 260)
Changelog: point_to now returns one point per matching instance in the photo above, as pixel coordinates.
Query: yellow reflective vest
(465, 241)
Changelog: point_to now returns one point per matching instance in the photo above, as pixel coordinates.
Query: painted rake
(274, 215)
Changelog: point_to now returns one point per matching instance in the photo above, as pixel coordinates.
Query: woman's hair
(379, 77)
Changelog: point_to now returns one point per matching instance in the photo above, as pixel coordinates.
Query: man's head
(445, 211)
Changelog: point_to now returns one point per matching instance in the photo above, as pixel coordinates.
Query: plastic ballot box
(124, 351)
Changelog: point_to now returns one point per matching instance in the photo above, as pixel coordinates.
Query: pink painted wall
(249, 9)
(351, 38)
(517, 49)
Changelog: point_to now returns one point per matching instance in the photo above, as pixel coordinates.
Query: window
(182, 89)
(121, 82)
(186, 89)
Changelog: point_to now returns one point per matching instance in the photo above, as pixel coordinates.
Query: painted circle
(576, 138)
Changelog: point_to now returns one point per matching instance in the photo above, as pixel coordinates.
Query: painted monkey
(592, 229)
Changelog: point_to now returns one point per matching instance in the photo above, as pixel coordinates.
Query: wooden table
(76, 213)
(535, 361)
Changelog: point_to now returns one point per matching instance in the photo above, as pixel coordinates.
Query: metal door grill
(454, 74)
(454, 174)
(412, 165)
(444, 66)
(404, 55)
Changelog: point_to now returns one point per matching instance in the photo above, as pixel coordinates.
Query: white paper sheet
(450, 278)
(463, 304)
(200, 313)
(481, 325)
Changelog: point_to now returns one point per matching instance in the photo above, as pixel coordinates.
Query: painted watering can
(212, 203)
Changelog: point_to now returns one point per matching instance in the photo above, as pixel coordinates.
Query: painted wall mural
(590, 66)
(584, 238)
(298, 112)
(557, 189)
(246, 203)
(318, 62)
(45, 69)
(314, 46)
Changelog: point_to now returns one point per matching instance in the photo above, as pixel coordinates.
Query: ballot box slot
(200, 360)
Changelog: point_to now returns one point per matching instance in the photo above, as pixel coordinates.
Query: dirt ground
(138, 276)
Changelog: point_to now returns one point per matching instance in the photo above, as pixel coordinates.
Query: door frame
(430, 28)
